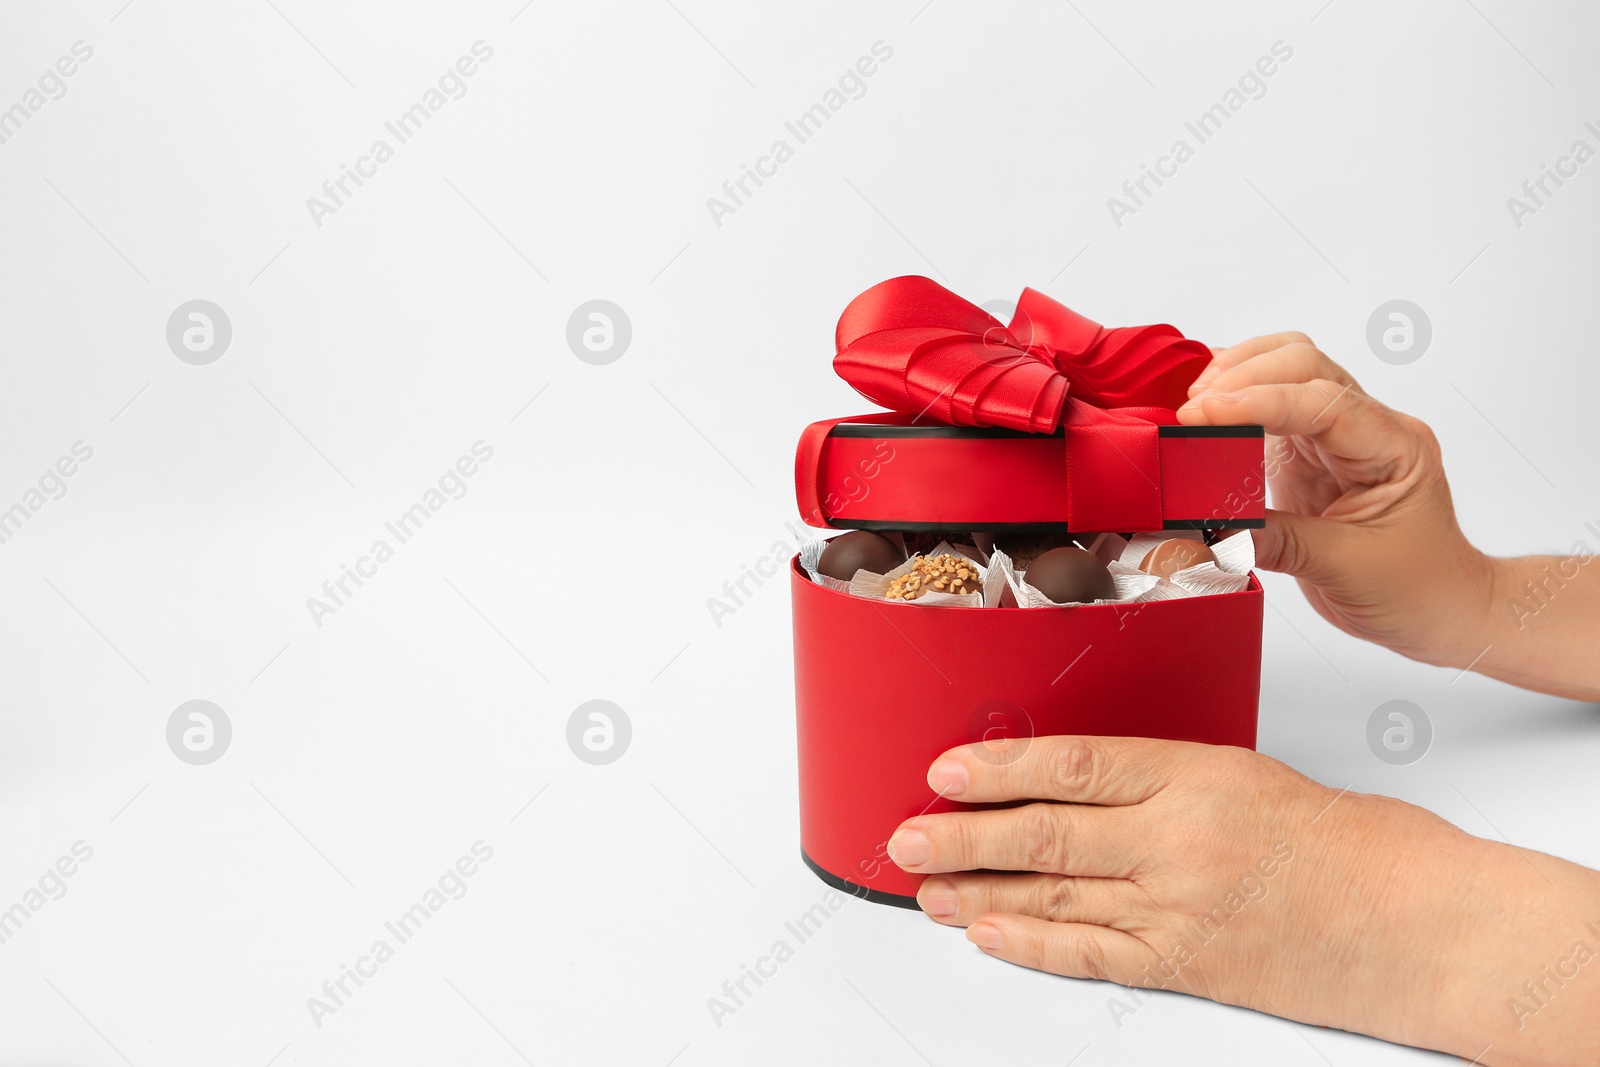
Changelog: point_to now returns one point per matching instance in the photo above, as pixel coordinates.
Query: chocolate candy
(936, 574)
(859, 550)
(1170, 557)
(1071, 576)
(922, 542)
(1025, 546)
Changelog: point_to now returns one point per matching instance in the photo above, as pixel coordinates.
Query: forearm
(1524, 962)
(1542, 626)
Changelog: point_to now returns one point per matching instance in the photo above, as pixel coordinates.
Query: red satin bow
(912, 345)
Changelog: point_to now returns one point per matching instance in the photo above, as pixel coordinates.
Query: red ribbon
(912, 345)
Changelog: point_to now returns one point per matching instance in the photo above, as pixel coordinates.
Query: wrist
(1468, 619)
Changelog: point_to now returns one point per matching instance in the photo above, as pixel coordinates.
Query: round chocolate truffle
(1025, 546)
(859, 550)
(1071, 576)
(1170, 557)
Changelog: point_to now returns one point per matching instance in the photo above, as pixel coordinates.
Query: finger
(1344, 421)
(1311, 548)
(1049, 838)
(1296, 362)
(958, 899)
(1076, 950)
(1223, 359)
(1082, 770)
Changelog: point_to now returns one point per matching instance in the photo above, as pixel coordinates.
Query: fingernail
(947, 777)
(910, 848)
(1200, 383)
(986, 936)
(938, 897)
(1193, 403)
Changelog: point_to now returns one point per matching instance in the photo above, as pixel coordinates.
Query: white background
(424, 315)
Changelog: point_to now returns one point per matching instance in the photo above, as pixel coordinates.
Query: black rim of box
(844, 885)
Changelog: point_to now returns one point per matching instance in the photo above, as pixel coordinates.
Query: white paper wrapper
(1107, 546)
(876, 586)
(1236, 558)
(1131, 583)
(810, 556)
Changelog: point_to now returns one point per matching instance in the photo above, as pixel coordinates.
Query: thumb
(1310, 548)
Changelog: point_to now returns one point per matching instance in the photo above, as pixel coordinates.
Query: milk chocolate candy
(859, 550)
(1071, 576)
(1170, 557)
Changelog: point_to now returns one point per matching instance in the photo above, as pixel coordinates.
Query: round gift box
(882, 688)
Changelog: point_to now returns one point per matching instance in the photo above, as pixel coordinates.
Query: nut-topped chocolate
(1071, 576)
(859, 550)
(936, 574)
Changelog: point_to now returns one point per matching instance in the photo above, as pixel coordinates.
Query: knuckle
(1044, 841)
(1303, 350)
(1076, 765)
(954, 840)
(1427, 441)
(1329, 399)
(1086, 956)
(1058, 902)
(1231, 765)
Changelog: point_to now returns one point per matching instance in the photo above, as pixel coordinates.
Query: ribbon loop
(912, 345)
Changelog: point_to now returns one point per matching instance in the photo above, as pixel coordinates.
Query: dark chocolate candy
(1071, 576)
(859, 550)
(922, 542)
(1025, 546)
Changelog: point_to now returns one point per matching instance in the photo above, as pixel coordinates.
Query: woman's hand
(1363, 514)
(1364, 521)
(1222, 873)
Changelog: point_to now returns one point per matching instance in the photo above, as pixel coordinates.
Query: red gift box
(1048, 423)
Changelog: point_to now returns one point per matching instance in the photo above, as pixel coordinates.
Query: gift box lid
(1050, 421)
